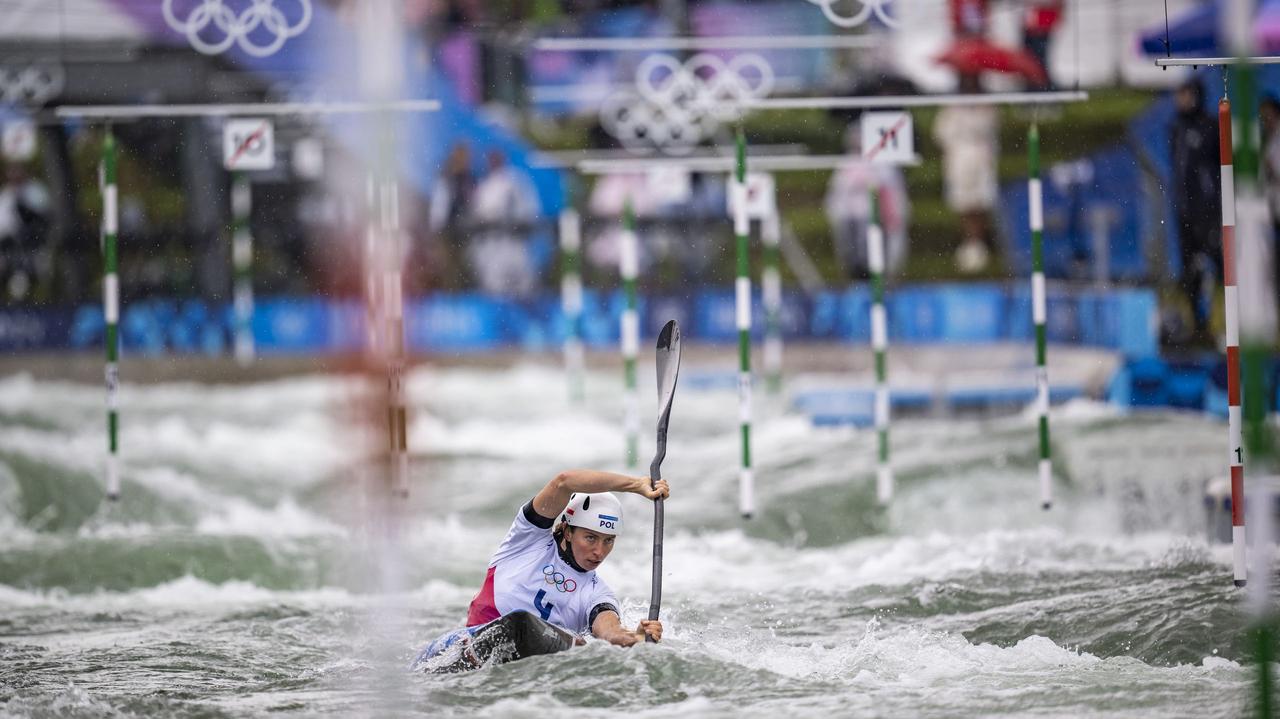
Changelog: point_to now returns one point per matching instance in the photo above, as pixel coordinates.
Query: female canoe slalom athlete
(542, 592)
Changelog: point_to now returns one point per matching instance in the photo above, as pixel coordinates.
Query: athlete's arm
(551, 499)
(608, 626)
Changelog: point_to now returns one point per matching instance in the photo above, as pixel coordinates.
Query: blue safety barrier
(855, 406)
(29, 329)
(1122, 320)
(982, 397)
(1196, 383)
(829, 408)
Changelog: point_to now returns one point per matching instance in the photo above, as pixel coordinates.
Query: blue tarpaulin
(1104, 188)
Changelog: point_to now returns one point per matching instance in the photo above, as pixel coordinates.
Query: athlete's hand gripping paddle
(668, 369)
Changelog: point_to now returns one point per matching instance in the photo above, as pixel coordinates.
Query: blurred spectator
(679, 215)
(848, 209)
(1038, 23)
(969, 18)
(25, 257)
(1197, 202)
(609, 197)
(969, 139)
(1269, 119)
(503, 209)
(452, 193)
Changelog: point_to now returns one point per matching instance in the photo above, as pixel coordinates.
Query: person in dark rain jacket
(1197, 202)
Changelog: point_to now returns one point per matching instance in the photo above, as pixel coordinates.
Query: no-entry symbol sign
(759, 196)
(887, 137)
(248, 144)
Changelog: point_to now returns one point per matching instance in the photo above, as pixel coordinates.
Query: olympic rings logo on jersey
(260, 29)
(862, 15)
(675, 105)
(563, 584)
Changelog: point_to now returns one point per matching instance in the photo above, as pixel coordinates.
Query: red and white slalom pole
(1235, 451)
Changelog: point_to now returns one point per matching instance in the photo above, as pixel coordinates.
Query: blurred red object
(971, 56)
(1041, 17)
(969, 17)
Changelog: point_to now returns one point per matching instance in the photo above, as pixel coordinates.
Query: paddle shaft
(655, 473)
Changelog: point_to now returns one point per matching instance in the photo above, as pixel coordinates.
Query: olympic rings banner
(674, 106)
(866, 10)
(30, 83)
(259, 27)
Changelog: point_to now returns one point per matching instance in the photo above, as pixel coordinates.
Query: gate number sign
(887, 137)
(248, 144)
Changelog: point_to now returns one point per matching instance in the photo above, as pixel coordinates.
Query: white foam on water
(537, 705)
(285, 519)
(258, 400)
(76, 453)
(178, 486)
(731, 561)
(44, 398)
(439, 591)
(901, 657)
(12, 597)
(187, 593)
(578, 438)
(1220, 663)
(238, 456)
(523, 385)
(296, 451)
(255, 402)
(219, 513)
(908, 667)
(1081, 410)
(71, 701)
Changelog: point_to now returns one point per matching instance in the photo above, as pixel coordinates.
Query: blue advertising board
(1121, 319)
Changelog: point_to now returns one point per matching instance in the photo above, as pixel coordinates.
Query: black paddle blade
(668, 357)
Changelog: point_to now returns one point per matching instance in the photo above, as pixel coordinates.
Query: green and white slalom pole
(879, 345)
(1257, 337)
(111, 309)
(571, 299)
(1039, 313)
(771, 289)
(628, 267)
(242, 262)
(742, 306)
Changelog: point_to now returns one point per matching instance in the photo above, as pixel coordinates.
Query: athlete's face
(589, 548)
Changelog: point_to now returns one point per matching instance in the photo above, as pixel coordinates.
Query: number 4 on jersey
(543, 609)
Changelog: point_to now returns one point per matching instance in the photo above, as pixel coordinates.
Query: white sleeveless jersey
(527, 573)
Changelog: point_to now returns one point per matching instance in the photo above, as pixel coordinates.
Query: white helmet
(600, 512)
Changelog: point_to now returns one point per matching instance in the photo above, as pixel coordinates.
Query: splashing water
(236, 576)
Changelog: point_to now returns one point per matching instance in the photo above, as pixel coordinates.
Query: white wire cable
(125, 112)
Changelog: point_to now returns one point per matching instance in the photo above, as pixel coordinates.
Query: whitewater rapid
(247, 569)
